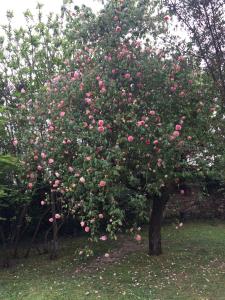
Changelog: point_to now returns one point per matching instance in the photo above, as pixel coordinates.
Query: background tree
(204, 21)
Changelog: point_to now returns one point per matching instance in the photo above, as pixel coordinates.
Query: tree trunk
(6, 261)
(155, 224)
(54, 252)
(35, 233)
(18, 230)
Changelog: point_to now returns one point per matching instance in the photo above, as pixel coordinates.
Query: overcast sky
(19, 6)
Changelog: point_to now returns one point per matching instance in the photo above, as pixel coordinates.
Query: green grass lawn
(192, 267)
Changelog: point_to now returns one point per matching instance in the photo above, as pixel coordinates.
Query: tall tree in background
(205, 22)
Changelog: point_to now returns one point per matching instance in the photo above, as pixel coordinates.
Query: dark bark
(36, 232)
(18, 230)
(54, 252)
(46, 246)
(46, 243)
(155, 224)
(6, 260)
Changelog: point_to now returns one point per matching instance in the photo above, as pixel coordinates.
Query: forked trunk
(35, 233)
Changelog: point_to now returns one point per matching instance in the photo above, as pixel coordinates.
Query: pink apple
(87, 229)
(76, 75)
(30, 185)
(43, 155)
(39, 168)
(138, 237)
(127, 76)
(15, 142)
(100, 123)
(51, 161)
(101, 129)
(152, 112)
(82, 180)
(140, 123)
(62, 113)
(178, 127)
(70, 169)
(130, 138)
(102, 183)
(118, 29)
(103, 238)
(176, 133)
(166, 18)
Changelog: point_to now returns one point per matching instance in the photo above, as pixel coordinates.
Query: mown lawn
(192, 267)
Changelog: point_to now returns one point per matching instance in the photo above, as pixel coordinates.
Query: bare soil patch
(125, 247)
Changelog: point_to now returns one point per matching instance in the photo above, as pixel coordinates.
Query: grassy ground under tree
(192, 267)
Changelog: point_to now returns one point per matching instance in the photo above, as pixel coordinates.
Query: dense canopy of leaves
(104, 112)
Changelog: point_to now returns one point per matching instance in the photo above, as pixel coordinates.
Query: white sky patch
(19, 6)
